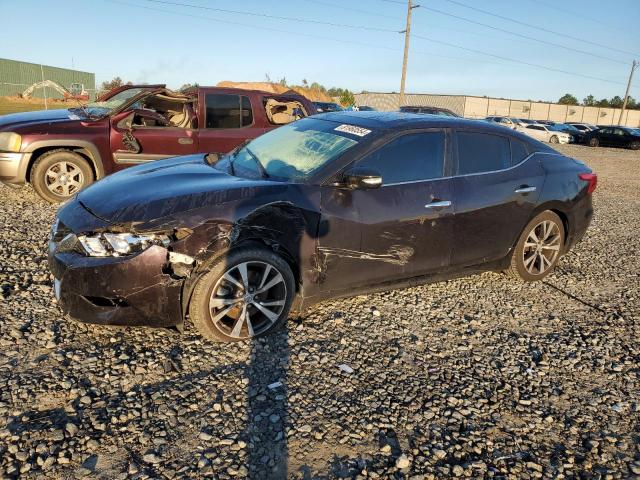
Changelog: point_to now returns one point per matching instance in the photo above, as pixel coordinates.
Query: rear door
(605, 135)
(497, 185)
(227, 120)
(405, 225)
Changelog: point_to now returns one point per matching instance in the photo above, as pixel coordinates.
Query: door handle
(525, 190)
(185, 141)
(438, 204)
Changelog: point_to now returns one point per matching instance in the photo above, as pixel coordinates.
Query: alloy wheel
(248, 299)
(64, 179)
(542, 247)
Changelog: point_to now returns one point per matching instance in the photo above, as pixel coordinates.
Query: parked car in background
(366, 108)
(545, 122)
(59, 152)
(324, 107)
(583, 127)
(576, 135)
(527, 121)
(509, 122)
(545, 134)
(625, 137)
(281, 224)
(443, 112)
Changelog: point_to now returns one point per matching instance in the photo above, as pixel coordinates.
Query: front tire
(538, 249)
(246, 294)
(634, 146)
(594, 142)
(554, 139)
(59, 174)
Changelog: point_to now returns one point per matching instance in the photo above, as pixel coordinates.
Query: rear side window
(480, 152)
(518, 151)
(409, 158)
(228, 111)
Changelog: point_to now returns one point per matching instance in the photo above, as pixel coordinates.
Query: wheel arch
(266, 227)
(84, 148)
(556, 208)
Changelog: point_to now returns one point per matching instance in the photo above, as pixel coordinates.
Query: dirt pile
(314, 95)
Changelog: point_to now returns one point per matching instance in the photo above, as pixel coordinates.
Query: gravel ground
(477, 377)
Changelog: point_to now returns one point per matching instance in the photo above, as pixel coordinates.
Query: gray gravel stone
(479, 377)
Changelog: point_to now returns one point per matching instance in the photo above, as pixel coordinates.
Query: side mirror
(361, 178)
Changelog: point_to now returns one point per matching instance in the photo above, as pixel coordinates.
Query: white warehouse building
(481, 107)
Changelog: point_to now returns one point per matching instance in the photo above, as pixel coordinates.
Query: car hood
(166, 187)
(44, 117)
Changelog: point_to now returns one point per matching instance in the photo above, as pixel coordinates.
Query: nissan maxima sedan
(333, 205)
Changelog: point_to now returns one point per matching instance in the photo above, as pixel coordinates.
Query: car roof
(402, 121)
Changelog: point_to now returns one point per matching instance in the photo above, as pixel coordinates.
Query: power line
(350, 9)
(492, 27)
(551, 69)
(509, 19)
(275, 17)
(527, 37)
(280, 30)
(573, 13)
(366, 44)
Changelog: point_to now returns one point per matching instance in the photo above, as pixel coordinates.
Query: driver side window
(409, 158)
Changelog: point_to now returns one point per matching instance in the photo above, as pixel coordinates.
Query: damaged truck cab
(59, 152)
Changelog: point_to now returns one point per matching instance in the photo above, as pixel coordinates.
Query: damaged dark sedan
(332, 205)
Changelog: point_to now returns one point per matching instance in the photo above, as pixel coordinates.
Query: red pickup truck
(62, 151)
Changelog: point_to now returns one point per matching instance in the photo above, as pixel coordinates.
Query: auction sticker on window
(353, 130)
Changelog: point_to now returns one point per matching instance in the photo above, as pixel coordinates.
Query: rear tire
(229, 303)
(59, 174)
(594, 142)
(539, 248)
(554, 139)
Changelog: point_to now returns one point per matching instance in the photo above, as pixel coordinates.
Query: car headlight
(117, 244)
(10, 142)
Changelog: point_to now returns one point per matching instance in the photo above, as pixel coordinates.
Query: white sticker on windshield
(353, 130)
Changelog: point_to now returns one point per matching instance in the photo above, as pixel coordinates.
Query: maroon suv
(62, 151)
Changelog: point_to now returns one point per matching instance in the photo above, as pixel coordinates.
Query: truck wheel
(59, 174)
(594, 142)
(553, 139)
(538, 249)
(246, 294)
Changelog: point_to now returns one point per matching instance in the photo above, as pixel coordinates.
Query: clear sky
(148, 41)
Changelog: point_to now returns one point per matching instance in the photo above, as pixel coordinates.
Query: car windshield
(634, 131)
(295, 151)
(101, 109)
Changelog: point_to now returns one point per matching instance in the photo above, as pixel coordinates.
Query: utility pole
(407, 34)
(626, 94)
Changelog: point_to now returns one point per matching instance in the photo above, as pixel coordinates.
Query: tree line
(590, 101)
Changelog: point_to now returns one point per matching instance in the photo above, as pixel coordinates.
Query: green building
(16, 77)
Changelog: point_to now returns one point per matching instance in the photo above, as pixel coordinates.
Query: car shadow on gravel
(267, 407)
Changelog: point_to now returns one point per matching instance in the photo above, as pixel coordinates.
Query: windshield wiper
(263, 171)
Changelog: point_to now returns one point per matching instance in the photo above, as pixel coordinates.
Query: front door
(497, 185)
(620, 138)
(399, 230)
(133, 144)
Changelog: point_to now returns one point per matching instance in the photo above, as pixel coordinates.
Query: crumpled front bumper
(117, 290)
(140, 289)
(13, 167)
